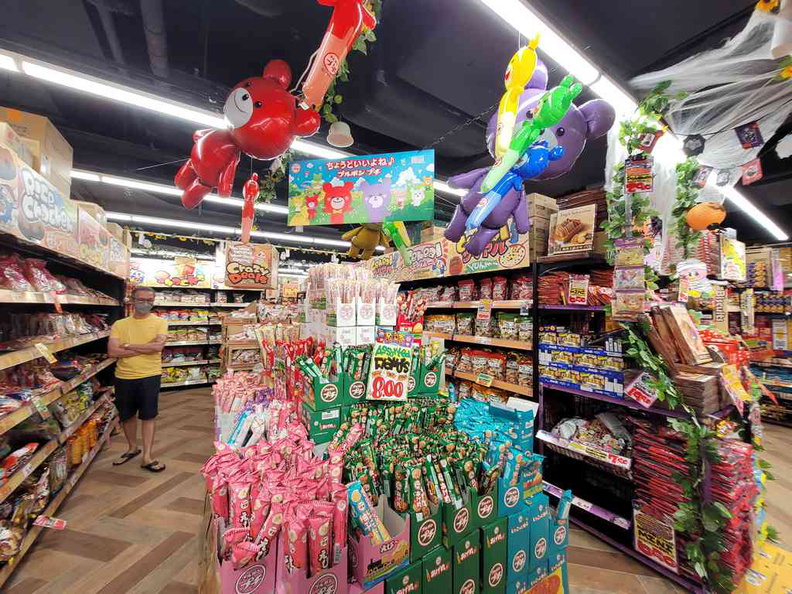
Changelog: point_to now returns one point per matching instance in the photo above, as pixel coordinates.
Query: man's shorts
(137, 396)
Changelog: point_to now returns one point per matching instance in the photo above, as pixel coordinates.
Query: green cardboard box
(467, 559)
(321, 394)
(457, 522)
(494, 553)
(484, 507)
(414, 382)
(406, 581)
(426, 534)
(438, 571)
(429, 382)
(354, 390)
(321, 424)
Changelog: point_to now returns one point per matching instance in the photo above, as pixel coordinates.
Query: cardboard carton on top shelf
(96, 211)
(12, 140)
(55, 152)
(541, 206)
(116, 231)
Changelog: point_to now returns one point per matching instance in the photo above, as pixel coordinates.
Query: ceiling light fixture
(123, 217)
(757, 215)
(8, 63)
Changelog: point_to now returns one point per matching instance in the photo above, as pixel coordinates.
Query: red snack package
(485, 288)
(231, 537)
(259, 511)
(220, 497)
(12, 276)
(467, 290)
(243, 553)
(296, 544)
(15, 458)
(319, 540)
(500, 288)
(41, 278)
(239, 504)
(340, 499)
(269, 531)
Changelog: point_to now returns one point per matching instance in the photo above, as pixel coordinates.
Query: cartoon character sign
(301, 218)
(263, 120)
(375, 197)
(312, 203)
(588, 121)
(416, 195)
(337, 201)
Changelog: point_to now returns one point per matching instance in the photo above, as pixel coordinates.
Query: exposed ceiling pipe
(108, 24)
(156, 41)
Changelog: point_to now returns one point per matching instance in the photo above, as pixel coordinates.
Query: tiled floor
(131, 531)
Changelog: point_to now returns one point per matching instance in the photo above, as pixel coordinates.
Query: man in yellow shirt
(137, 342)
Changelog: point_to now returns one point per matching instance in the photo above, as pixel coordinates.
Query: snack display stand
(64, 289)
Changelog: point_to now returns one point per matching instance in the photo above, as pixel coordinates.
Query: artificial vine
(274, 175)
(686, 195)
(367, 36)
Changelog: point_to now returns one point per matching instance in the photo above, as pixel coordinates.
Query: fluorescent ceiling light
(526, 21)
(748, 208)
(168, 190)
(317, 150)
(623, 103)
(8, 63)
(292, 274)
(169, 254)
(441, 186)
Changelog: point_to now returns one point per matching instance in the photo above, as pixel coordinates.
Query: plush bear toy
(587, 121)
(263, 120)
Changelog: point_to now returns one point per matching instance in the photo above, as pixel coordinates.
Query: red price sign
(390, 372)
(387, 389)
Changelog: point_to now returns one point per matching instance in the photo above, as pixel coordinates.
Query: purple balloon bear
(588, 121)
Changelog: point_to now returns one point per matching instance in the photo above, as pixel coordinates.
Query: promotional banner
(251, 266)
(390, 372)
(362, 189)
(166, 274)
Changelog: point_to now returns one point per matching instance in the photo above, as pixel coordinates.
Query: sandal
(126, 457)
(153, 466)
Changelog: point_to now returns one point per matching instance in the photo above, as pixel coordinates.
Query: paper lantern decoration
(705, 214)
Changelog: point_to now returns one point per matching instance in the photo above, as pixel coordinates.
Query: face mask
(143, 307)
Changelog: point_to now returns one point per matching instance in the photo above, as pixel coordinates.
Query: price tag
(40, 406)
(56, 302)
(525, 308)
(484, 379)
(578, 289)
(48, 522)
(582, 504)
(484, 312)
(484, 340)
(45, 352)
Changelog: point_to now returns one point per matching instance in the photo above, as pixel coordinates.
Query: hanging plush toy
(705, 214)
(250, 191)
(364, 240)
(263, 120)
(348, 20)
(518, 73)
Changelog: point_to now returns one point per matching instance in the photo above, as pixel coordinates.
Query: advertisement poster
(506, 251)
(362, 189)
(117, 258)
(655, 539)
(166, 274)
(251, 266)
(93, 240)
(732, 259)
(572, 230)
(390, 372)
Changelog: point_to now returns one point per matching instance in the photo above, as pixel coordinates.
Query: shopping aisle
(129, 530)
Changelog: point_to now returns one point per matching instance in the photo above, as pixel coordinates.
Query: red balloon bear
(263, 120)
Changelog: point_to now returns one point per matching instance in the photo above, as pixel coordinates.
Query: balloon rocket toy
(263, 117)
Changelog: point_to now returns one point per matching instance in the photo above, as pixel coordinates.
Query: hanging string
(160, 164)
(463, 125)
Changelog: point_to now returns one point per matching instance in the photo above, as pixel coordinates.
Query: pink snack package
(231, 537)
(12, 276)
(219, 492)
(243, 553)
(269, 531)
(259, 511)
(296, 544)
(340, 499)
(320, 537)
(239, 504)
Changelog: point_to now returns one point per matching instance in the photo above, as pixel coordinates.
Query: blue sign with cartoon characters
(362, 189)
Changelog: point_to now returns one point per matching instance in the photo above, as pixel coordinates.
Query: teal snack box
(321, 424)
(510, 498)
(494, 552)
(467, 559)
(518, 526)
(438, 570)
(425, 534)
(406, 581)
(559, 532)
(539, 515)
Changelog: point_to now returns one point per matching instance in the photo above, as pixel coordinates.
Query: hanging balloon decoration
(348, 20)
(551, 133)
(705, 214)
(250, 192)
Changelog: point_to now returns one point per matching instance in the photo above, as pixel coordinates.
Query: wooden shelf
(483, 340)
(13, 419)
(54, 504)
(25, 471)
(191, 323)
(187, 383)
(8, 296)
(180, 304)
(232, 304)
(499, 304)
(30, 353)
(517, 389)
(190, 343)
(187, 363)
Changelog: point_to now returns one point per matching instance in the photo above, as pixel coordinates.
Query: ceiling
(435, 67)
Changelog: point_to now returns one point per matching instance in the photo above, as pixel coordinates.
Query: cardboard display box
(494, 552)
(438, 571)
(374, 563)
(467, 558)
(406, 581)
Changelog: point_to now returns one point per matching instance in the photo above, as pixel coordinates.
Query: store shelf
(11, 420)
(191, 323)
(52, 506)
(25, 471)
(773, 314)
(619, 464)
(497, 342)
(594, 510)
(517, 389)
(572, 307)
(498, 304)
(232, 304)
(8, 296)
(190, 343)
(30, 353)
(243, 344)
(771, 384)
(620, 401)
(187, 363)
(64, 435)
(187, 383)
(782, 363)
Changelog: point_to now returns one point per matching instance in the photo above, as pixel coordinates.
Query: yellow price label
(484, 379)
(45, 352)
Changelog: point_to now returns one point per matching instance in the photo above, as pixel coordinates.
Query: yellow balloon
(518, 73)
